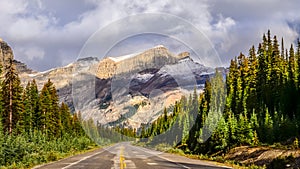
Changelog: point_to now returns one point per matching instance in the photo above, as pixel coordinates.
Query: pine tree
(220, 136)
(34, 105)
(267, 134)
(292, 67)
(27, 110)
(244, 130)
(298, 63)
(77, 124)
(291, 103)
(2, 121)
(50, 110)
(232, 128)
(230, 79)
(11, 92)
(275, 78)
(1, 142)
(245, 82)
(44, 110)
(66, 119)
(253, 68)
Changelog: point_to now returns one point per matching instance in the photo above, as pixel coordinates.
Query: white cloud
(12, 7)
(33, 53)
(60, 28)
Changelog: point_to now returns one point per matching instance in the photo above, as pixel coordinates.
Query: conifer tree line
(262, 103)
(27, 110)
(34, 127)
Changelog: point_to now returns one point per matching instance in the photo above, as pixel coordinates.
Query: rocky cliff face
(22, 68)
(6, 54)
(61, 76)
(156, 57)
(153, 76)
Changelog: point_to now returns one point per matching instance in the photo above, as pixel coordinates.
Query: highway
(127, 156)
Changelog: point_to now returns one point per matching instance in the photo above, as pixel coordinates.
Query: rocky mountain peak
(6, 53)
(150, 70)
(184, 55)
(155, 57)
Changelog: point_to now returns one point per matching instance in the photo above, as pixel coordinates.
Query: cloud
(252, 19)
(33, 53)
(47, 34)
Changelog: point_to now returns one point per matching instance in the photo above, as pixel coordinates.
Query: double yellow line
(122, 159)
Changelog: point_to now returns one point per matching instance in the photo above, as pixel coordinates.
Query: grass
(219, 160)
(22, 151)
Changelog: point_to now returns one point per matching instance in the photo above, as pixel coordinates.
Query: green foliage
(296, 143)
(27, 150)
(34, 129)
(262, 105)
(281, 162)
(11, 92)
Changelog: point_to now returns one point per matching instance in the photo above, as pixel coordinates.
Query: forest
(259, 102)
(34, 127)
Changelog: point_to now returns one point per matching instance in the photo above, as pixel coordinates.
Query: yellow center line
(122, 159)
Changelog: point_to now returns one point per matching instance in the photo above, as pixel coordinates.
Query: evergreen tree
(291, 102)
(34, 104)
(298, 63)
(1, 142)
(244, 131)
(27, 110)
(253, 67)
(44, 110)
(49, 110)
(232, 129)
(11, 93)
(220, 136)
(275, 77)
(267, 134)
(2, 121)
(66, 118)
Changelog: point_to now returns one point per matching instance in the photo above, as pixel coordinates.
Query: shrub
(281, 162)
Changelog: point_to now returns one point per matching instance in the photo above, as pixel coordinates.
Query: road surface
(126, 156)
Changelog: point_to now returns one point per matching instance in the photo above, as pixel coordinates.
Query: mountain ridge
(155, 69)
(155, 57)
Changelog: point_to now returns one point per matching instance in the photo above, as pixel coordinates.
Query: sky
(48, 34)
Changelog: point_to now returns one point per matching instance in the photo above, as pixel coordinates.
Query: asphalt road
(125, 156)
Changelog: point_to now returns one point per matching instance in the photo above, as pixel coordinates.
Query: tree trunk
(10, 107)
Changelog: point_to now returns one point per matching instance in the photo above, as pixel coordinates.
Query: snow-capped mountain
(127, 90)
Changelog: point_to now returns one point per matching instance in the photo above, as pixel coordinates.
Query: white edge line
(141, 148)
(158, 155)
(104, 149)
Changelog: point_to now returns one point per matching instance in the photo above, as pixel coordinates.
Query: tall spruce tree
(34, 105)
(49, 110)
(66, 118)
(11, 93)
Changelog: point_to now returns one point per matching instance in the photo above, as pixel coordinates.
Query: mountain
(125, 90)
(156, 57)
(61, 76)
(6, 54)
(134, 89)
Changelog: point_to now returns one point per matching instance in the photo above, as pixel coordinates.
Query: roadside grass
(21, 153)
(217, 160)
